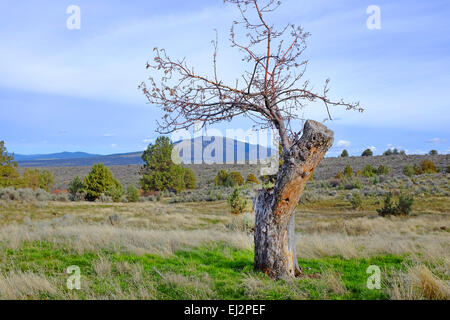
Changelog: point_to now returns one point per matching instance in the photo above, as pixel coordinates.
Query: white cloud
(437, 141)
(109, 135)
(373, 148)
(344, 143)
(113, 145)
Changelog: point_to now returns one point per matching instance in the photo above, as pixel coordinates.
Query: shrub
(75, 186)
(100, 181)
(115, 191)
(46, 180)
(433, 153)
(8, 168)
(334, 183)
(35, 179)
(405, 203)
(221, 178)
(348, 171)
(251, 178)
(403, 207)
(237, 202)
(388, 152)
(190, 180)
(104, 198)
(367, 153)
(231, 179)
(132, 194)
(383, 170)
(25, 194)
(388, 208)
(31, 179)
(344, 153)
(353, 184)
(237, 178)
(408, 171)
(356, 200)
(369, 171)
(425, 167)
(375, 180)
(9, 177)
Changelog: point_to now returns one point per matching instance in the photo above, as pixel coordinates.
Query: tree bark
(275, 252)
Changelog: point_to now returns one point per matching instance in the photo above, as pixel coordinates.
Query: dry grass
(102, 267)
(330, 283)
(86, 238)
(162, 229)
(257, 288)
(418, 283)
(190, 287)
(19, 285)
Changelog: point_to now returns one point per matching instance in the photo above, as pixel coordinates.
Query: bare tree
(271, 93)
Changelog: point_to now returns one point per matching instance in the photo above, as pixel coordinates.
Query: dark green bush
(367, 153)
(383, 170)
(408, 171)
(190, 180)
(101, 181)
(356, 200)
(369, 171)
(348, 171)
(344, 153)
(405, 203)
(402, 207)
(9, 177)
(223, 179)
(132, 194)
(237, 202)
(75, 186)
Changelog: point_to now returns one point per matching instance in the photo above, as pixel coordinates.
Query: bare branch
(271, 94)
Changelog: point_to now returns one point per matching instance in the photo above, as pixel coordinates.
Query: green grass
(213, 272)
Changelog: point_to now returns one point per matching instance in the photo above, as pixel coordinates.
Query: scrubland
(161, 250)
(189, 246)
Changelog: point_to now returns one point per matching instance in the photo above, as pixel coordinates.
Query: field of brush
(190, 246)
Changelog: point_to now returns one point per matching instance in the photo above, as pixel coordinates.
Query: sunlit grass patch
(216, 271)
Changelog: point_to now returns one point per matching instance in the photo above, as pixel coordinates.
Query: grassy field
(163, 250)
(189, 245)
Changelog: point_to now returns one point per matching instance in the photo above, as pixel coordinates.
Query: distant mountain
(198, 150)
(55, 156)
(220, 150)
(108, 160)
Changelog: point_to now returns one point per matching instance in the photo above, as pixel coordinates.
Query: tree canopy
(160, 173)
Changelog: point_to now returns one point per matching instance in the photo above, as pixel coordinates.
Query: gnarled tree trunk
(274, 209)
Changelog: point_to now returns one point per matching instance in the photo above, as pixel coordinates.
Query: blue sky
(76, 90)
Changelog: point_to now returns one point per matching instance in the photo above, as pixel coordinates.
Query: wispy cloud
(437, 141)
(343, 143)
